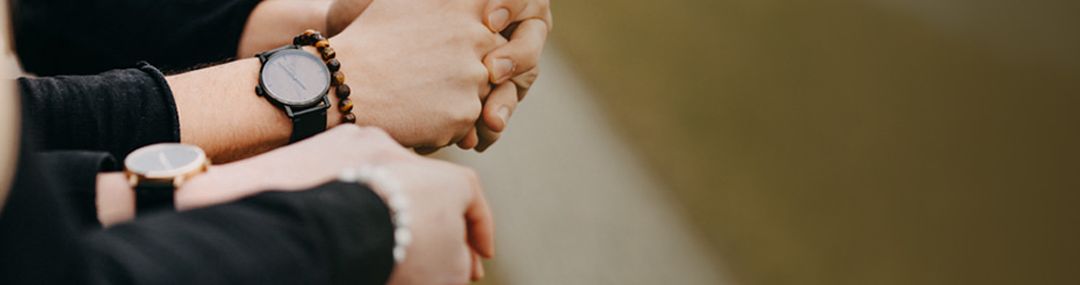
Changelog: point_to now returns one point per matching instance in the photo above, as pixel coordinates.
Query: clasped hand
(430, 73)
(441, 72)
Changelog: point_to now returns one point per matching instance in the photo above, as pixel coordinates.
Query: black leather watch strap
(151, 197)
(308, 124)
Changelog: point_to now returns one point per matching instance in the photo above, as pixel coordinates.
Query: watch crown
(259, 91)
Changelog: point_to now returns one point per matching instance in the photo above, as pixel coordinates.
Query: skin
(451, 221)
(9, 112)
(526, 23)
(9, 136)
(445, 82)
(273, 23)
(454, 90)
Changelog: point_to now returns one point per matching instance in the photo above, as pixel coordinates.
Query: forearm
(220, 184)
(265, 237)
(220, 112)
(274, 23)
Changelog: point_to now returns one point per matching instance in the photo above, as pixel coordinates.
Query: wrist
(333, 114)
(220, 184)
(115, 199)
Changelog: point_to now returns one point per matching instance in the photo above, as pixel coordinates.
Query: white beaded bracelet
(395, 200)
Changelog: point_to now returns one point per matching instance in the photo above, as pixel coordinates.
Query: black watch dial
(165, 160)
(294, 77)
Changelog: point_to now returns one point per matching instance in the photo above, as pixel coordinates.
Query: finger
(520, 55)
(503, 12)
(481, 226)
(495, 117)
(470, 141)
(500, 13)
(487, 137)
(499, 106)
(477, 267)
(525, 82)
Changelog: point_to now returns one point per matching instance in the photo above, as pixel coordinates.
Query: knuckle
(526, 80)
(477, 73)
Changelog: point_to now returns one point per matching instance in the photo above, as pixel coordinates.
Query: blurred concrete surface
(574, 205)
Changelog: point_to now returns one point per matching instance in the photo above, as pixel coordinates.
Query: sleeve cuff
(166, 91)
(76, 172)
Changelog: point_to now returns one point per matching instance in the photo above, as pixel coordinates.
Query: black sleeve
(91, 36)
(115, 112)
(338, 233)
(78, 181)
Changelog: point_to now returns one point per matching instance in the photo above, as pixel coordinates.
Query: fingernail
(504, 114)
(479, 270)
(503, 69)
(498, 19)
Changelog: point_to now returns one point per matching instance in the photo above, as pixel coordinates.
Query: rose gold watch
(156, 171)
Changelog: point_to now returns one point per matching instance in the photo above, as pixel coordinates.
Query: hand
(512, 66)
(439, 195)
(423, 74)
(450, 223)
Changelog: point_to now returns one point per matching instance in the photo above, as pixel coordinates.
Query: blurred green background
(852, 142)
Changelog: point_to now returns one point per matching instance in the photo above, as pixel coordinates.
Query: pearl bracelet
(395, 200)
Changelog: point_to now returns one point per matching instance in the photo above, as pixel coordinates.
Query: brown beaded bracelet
(337, 78)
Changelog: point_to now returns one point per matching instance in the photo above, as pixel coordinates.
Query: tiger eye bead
(338, 78)
(349, 118)
(322, 44)
(345, 106)
(328, 53)
(310, 32)
(333, 64)
(343, 91)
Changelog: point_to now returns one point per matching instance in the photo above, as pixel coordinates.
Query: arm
(420, 78)
(450, 218)
(115, 112)
(337, 233)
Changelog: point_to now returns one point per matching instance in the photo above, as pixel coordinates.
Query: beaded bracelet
(337, 78)
(395, 199)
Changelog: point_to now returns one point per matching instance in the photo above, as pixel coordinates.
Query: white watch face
(295, 77)
(165, 160)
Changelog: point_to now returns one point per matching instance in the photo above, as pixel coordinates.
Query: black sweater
(79, 37)
(75, 125)
(338, 233)
(49, 234)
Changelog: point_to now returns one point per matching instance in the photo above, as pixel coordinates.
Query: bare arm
(273, 23)
(220, 112)
(419, 78)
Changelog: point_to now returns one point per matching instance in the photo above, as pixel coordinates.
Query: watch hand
(164, 161)
(293, 76)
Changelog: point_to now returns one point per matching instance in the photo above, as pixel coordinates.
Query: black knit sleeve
(116, 111)
(338, 233)
(76, 178)
(91, 36)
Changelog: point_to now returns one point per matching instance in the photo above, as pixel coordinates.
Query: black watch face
(295, 77)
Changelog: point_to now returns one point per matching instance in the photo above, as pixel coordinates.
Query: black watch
(297, 82)
(156, 171)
